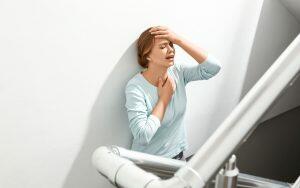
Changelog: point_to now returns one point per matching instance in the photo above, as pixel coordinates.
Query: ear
(148, 58)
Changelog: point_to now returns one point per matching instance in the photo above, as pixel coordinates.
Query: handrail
(223, 142)
(166, 168)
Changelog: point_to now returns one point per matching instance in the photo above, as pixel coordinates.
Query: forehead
(161, 41)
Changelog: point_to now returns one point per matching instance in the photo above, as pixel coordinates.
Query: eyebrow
(164, 43)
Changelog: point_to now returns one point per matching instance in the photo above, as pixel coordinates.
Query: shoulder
(176, 70)
(134, 84)
(176, 67)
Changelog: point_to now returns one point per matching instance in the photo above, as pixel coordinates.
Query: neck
(153, 73)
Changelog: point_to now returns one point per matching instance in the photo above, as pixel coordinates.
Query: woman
(156, 97)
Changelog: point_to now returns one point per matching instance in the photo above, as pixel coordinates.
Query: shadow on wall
(108, 123)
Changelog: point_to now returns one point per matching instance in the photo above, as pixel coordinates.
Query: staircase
(214, 164)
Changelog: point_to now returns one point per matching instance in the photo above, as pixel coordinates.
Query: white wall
(277, 28)
(63, 69)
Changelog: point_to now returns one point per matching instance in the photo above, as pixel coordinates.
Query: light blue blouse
(168, 137)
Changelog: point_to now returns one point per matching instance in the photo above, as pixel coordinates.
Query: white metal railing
(218, 148)
(166, 168)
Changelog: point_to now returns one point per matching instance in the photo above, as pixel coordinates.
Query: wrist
(178, 41)
(165, 101)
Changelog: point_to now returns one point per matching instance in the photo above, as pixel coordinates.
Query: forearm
(192, 49)
(160, 108)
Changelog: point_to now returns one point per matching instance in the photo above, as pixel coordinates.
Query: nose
(170, 48)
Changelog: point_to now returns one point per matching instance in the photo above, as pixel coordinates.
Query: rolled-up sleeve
(200, 71)
(143, 127)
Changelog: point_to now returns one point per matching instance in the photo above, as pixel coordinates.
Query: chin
(171, 63)
(168, 64)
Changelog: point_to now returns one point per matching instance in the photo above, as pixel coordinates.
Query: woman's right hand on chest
(166, 90)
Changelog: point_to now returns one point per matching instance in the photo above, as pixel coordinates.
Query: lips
(170, 57)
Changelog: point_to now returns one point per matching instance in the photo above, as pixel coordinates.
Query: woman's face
(162, 53)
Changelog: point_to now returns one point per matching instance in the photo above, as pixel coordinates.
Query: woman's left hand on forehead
(164, 33)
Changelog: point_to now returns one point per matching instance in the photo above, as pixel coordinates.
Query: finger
(165, 81)
(159, 32)
(162, 27)
(173, 84)
(157, 28)
(159, 82)
(172, 81)
(154, 29)
(161, 36)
